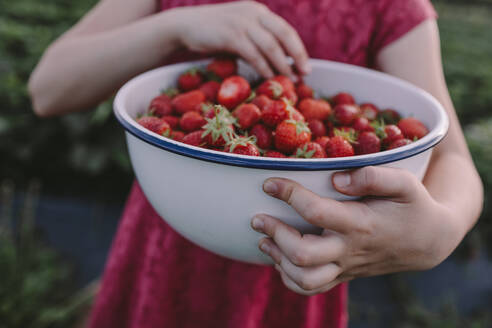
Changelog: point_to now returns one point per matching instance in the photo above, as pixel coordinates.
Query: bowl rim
(430, 140)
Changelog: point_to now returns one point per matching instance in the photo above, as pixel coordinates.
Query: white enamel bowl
(210, 197)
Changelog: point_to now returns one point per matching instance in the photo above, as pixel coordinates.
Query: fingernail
(270, 187)
(265, 248)
(294, 78)
(341, 179)
(258, 224)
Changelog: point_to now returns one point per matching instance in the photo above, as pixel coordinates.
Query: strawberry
(285, 82)
(367, 143)
(194, 138)
(271, 89)
(189, 101)
(274, 113)
(161, 106)
(291, 96)
(310, 150)
(210, 89)
(330, 129)
(191, 121)
(345, 114)
(315, 109)
(322, 141)
(222, 67)
(275, 154)
(173, 121)
(304, 91)
(369, 111)
(399, 143)
(389, 116)
(219, 129)
(233, 91)
(190, 80)
(155, 125)
(412, 128)
(177, 135)
(290, 134)
(362, 124)
(242, 146)
(261, 101)
(317, 128)
(338, 146)
(247, 115)
(264, 136)
(391, 134)
(343, 98)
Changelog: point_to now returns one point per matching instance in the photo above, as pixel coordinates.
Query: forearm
(90, 67)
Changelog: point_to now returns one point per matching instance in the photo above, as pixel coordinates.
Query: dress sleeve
(395, 18)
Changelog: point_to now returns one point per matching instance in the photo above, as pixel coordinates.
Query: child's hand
(397, 227)
(246, 28)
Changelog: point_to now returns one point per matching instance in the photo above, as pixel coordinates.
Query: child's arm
(404, 225)
(118, 39)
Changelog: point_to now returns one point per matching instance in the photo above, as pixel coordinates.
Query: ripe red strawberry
(274, 113)
(399, 143)
(412, 128)
(190, 80)
(391, 134)
(264, 136)
(271, 89)
(233, 91)
(219, 129)
(362, 124)
(338, 146)
(155, 125)
(177, 135)
(210, 89)
(322, 141)
(290, 134)
(194, 138)
(191, 121)
(247, 115)
(275, 154)
(161, 106)
(315, 109)
(367, 143)
(346, 114)
(242, 146)
(310, 150)
(261, 101)
(369, 111)
(317, 128)
(343, 98)
(304, 91)
(390, 116)
(285, 82)
(189, 101)
(173, 121)
(291, 96)
(223, 67)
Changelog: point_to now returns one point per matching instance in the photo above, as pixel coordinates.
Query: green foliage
(35, 285)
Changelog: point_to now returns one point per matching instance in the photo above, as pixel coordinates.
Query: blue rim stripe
(289, 165)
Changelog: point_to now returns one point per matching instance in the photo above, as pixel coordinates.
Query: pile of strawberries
(217, 109)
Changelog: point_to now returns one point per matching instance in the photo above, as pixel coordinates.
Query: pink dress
(156, 278)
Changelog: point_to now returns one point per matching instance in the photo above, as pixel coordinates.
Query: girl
(155, 278)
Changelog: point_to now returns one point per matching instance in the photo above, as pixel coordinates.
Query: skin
(400, 223)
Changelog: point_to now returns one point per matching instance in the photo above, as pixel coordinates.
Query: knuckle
(289, 193)
(369, 177)
(300, 257)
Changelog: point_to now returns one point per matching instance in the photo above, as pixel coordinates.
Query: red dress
(156, 278)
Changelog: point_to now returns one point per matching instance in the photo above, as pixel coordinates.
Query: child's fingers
(290, 40)
(270, 48)
(248, 51)
(302, 250)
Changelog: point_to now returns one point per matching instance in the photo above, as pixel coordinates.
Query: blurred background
(63, 183)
